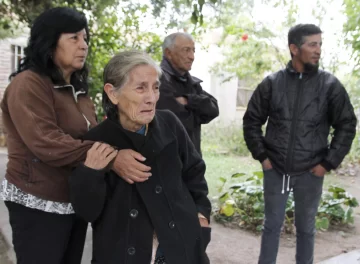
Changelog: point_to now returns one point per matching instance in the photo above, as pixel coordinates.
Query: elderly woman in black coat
(164, 219)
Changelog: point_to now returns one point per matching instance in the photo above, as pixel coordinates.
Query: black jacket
(300, 109)
(124, 216)
(201, 107)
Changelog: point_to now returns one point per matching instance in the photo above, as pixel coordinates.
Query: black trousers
(46, 238)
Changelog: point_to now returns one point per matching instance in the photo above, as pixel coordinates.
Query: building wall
(207, 55)
(5, 69)
(6, 65)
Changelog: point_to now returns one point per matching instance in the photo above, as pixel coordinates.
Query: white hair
(119, 67)
(169, 41)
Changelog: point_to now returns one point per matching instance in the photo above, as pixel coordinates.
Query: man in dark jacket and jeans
(300, 104)
(180, 92)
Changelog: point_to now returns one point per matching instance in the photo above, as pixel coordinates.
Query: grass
(218, 165)
(225, 153)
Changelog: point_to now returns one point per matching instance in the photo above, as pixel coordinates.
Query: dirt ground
(233, 246)
(3, 250)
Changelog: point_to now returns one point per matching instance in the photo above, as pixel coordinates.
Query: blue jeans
(307, 190)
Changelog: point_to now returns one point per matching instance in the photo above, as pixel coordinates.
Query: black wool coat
(124, 216)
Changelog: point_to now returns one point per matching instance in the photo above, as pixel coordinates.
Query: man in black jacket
(180, 92)
(299, 104)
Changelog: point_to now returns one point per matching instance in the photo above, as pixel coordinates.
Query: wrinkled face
(71, 51)
(310, 52)
(136, 100)
(182, 54)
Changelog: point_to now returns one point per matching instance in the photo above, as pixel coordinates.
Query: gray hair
(117, 70)
(169, 41)
(117, 73)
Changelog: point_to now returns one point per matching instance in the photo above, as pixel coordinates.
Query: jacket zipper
(293, 127)
(75, 96)
(88, 124)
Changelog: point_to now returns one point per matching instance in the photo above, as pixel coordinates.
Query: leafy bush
(97, 100)
(351, 163)
(242, 204)
(218, 139)
(354, 154)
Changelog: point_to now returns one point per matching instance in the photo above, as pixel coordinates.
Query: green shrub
(216, 138)
(242, 204)
(354, 154)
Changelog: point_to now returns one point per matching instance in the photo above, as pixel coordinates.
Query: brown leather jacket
(44, 124)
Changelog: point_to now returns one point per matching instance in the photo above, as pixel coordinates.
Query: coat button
(172, 225)
(35, 160)
(131, 251)
(134, 213)
(158, 189)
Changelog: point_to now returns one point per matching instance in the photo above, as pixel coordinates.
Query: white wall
(224, 92)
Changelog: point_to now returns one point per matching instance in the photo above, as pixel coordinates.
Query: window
(243, 97)
(17, 53)
(243, 94)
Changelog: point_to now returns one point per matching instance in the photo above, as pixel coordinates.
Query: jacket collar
(75, 93)
(167, 67)
(112, 133)
(290, 69)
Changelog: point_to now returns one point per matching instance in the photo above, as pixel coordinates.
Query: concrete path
(352, 257)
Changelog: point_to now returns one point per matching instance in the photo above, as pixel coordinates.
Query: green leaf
(322, 223)
(222, 179)
(250, 179)
(201, 3)
(238, 175)
(353, 202)
(228, 208)
(259, 174)
(194, 18)
(348, 216)
(336, 189)
(224, 197)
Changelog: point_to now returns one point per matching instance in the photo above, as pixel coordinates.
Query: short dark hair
(297, 33)
(44, 35)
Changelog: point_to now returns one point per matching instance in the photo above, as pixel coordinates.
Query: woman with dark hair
(46, 109)
(164, 219)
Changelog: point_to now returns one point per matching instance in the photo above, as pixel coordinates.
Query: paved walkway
(352, 257)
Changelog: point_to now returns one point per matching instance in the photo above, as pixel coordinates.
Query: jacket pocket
(267, 170)
(316, 176)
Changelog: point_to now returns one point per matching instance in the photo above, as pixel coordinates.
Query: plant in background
(215, 140)
(97, 99)
(351, 28)
(242, 204)
(336, 208)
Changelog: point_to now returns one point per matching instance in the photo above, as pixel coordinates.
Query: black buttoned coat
(125, 216)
